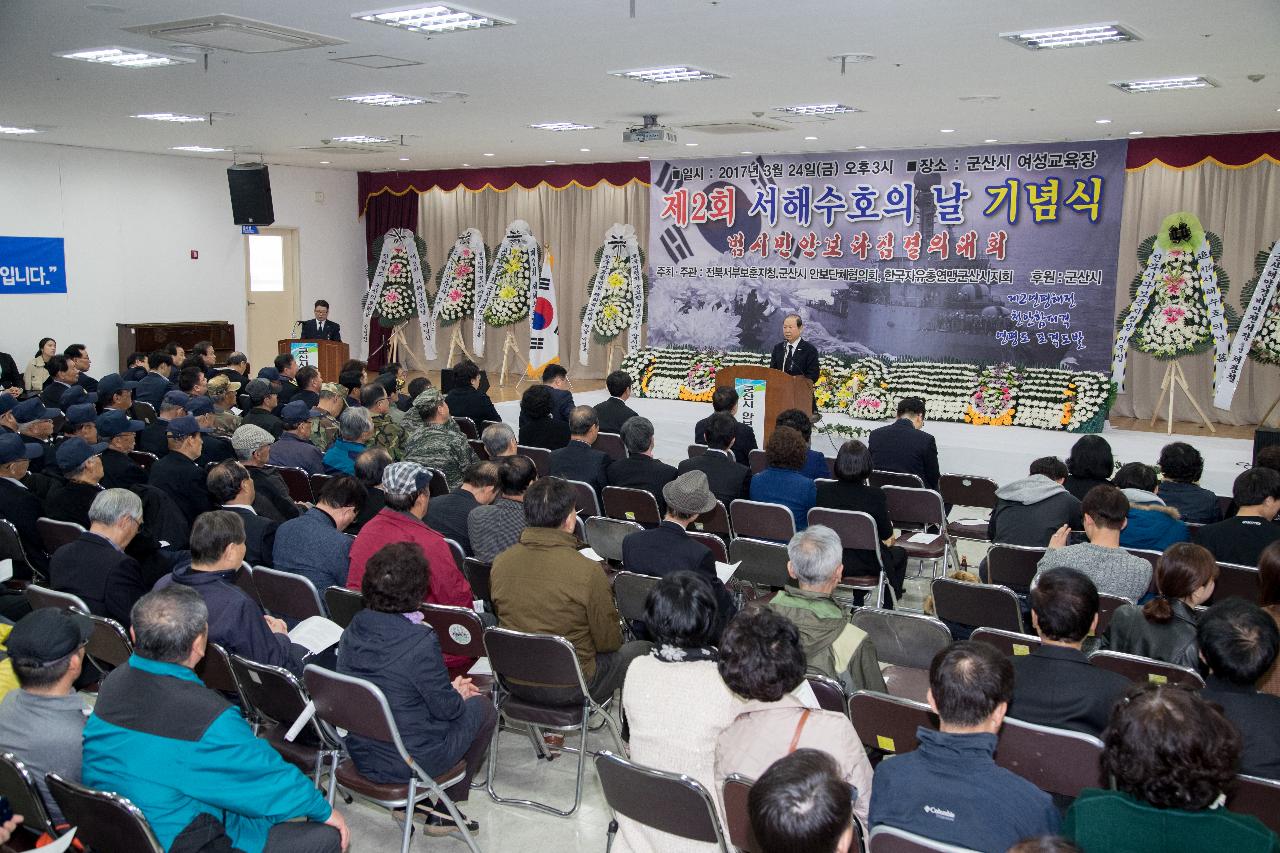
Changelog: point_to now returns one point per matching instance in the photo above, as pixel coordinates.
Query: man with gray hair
(355, 428)
(271, 499)
(94, 566)
(641, 470)
(499, 440)
(578, 460)
(831, 645)
(184, 756)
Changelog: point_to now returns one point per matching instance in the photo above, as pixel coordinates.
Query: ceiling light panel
(668, 74)
(432, 18)
(817, 109)
(177, 118)
(1084, 35)
(197, 149)
(124, 57)
(387, 99)
(562, 126)
(17, 131)
(1165, 84)
(362, 140)
(231, 32)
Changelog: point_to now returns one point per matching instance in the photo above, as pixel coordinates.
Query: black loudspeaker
(447, 383)
(1264, 437)
(250, 186)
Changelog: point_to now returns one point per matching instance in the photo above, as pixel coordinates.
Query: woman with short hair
(538, 428)
(782, 482)
(1090, 464)
(852, 491)
(1165, 627)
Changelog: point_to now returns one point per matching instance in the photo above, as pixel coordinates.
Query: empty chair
(343, 604)
(889, 839)
(1236, 582)
(466, 426)
(40, 596)
(968, 491)
(287, 595)
(1251, 796)
(830, 693)
(298, 483)
(906, 642)
(109, 644)
(628, 504)
(1013, 566)
(714, 543)
(105, 822)
(143, 458)
(889, 723)
(278, 699)
(630, 591)
(477, 575)
(1142, 670)
(55, 534)
(919, 509)
(1054, 760)
(714, 521)
(18, 782)
(539, 456)
(587, 502)
(880, 479)
(737, 816)
(668, 802)
(764, 564)
(977, 605)
(1012, 644)
(857, 530)
(761, 520)
(757, 460)
(605, 535)
(611, 443)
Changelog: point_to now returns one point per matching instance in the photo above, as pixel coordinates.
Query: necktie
(786, 364)
(321, 326)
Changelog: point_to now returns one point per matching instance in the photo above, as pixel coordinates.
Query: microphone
(297, 325)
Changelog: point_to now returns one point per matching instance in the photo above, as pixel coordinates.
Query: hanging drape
(384, 212)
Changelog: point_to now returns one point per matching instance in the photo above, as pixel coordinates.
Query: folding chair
(478, 446)
(477, 574)
(458, 629)
(484, 425)
(466, 426)
(611, 443)
(762, 520)
(630, 591)
(889, 723)
(214, 669)
(1251, 796)
(1058, 761)
(1107, 605)
(715, 520)
(439, 484)
(105, 822)
(920, 509)
(144, 412)
(298, 482)
(1142, 670)
(539, 456)
(354, 704)
(1236, 582)
(668, 802)
(548, 660)
(1152, 557)
(586, 501)
(889, 839)
(40, 596)
(11, 548)
(757, 460)
(857, 530)
(343, 604)
(627, 504)
(737, 815)
(18, 783)
(764, 564)
(977, 605)
(1013, 566)
(109, 644)
(244, 580)
(605, 535)
(459, 556)
(968, 491)
(713, 542)
(880, 479)
(830, 693)
(55, 534)
(906, 642)
(143, 458)
(696, 450)
(318, 482)
(287, 595)
(278, 700)
(1012, 644)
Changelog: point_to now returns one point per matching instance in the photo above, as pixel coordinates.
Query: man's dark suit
(235, 376)
(643, 472)
(271, 495)
(22, 507)
(183, 480)
(259, 416)
(1257, 716)
(154, 438)
(903, 448)
(447, 515)
(87, 382)
(467, 402)
(121, 472)
(1057, 686)
(804, 362)
(667, 548)
(613, 413)
(729, 479)
(561, 404)
(51, 396)
(743, 443)
(311, 331)
(151, 389)
(580, 461)
(10, 376)
(259, 535)
(108, 580)
(288, 390)
(214, 449)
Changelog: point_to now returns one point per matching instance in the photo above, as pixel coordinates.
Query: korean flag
(544, 325)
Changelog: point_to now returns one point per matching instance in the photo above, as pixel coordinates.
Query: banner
(544, 322)
(751, 405)
(986, 254)
(306, 354)
(1120, 350)
(32, 265)
(1227, 380)
(399, 245)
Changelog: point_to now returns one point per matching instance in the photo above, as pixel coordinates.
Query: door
(271, 290)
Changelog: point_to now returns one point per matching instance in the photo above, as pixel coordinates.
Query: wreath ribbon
(469, 239)
(405, 239)
(1217, 313)
(1263, 293)
(620, 241)
(517, 236)
(1120, 352)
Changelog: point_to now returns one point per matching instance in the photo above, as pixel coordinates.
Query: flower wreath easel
(615, 296)
(1258, 337)
(508, 293)
(465, 267)
(398, 292)
(1178, 308)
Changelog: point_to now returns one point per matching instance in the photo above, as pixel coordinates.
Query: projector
(649, 133)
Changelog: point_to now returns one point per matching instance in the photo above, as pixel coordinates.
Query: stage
(1002, 453)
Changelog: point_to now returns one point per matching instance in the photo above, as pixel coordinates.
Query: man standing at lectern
(321, 328)
(795, 355)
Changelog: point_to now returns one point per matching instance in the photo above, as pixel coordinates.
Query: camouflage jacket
(324, 430)
(389, 435)
(225, 423)
(440, 446)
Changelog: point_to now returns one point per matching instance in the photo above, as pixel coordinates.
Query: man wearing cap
(155, 436)
(42, 723)
(120, 432)
(215, 448)
(82, 422)
(231, 488)
(74, 396)
(578, 460)
(226, 417)
(78, 354)
(293, 449)
(8, 424)
(262, 402)
(435, 440)
(313, 544)
(668, 547)
(152, 387)
(253, 447)
(81, 470)
(62, 375)
(177, 472)
(114, 392)
(386, 432)
(35, 425)
(18, 503)
(324, 415)
(94, 566)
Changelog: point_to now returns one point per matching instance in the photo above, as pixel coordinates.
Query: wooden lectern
(782, 391)
(330, 355)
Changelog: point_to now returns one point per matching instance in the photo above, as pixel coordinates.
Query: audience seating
(857, 530)
(764, 564)
(458, 629)
(478, 446)
(713, 542)
(18, 783)
(318, 482)
(1013, 566)
(830, 693)
(55, 534)
(1107, 605)
(629, 593)
(889, 839)
(1236, 582)
(977, 605)
(439, 485)
(1012, 644)
(888, 723)
(343, 604)
(906, 642)
(1252, 796)
(762, 520)
(605, 535)
(466, 426)
(146, 413)
(109, 644)
(1152, 557)
(484, 425)
(1141, 670)
(459, 556)
(737, 815)
(354, 704)
(287, 595)
(1058, 761)
(11, 548)
(245, 581)
(477, 574)
(696, 450)
(214, 669)
(143, 458)
(668, 802)
(298, 482)
(539, 456)
(40, 596)
(105, 822)
(757, 460)
(628, 504)
(880, 479)
(611, 443)
(715, 521)
(587, 502)
(968, 491)
(920, 509)
(278, 700)
(549, 660)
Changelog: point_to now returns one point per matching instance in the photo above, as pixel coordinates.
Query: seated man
(542, 585)
(494, 528)
(904, 446)
(499, 440)
(62, 375)
(728, 478)
(802, 803)
(81, 468)
(435, 441)
(236, 621)
(324, 415)
(226, 417)
(1056, 685)
(42, 723)
(252, 444)
(115, 393)
(615, 412)
(950, 789)
(120, 432)
(1030, 510)
(447, 514)
(1112, 569)
(668, 548)
(177, 473)
(1152, 525)
(232, 489)
(293, 449)
(355, 428)
(641, 470)
(465, 398)
(386, 432)
(313, 544)
(1242, 538)
(95, 566)
(18, 503)
(263, 400)
(1180, 468)
(154, 438)
(555, 377)
(725, 399)
(1238, 642)
(832, 646)
(154, 384)
(214, 448)
(186, 758)
(369, 468)
(578, 460)
(308, 382)
(78, 355)
(35, 426)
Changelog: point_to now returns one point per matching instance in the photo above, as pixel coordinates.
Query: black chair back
(1251, 796)
(18, 783)
(466, 426)
(587, 502)
(761, 520)
(968, 490)
(889, 723)
(978, 605)
(287, 595)
(539, 456)
(439, 483)
(144, 412)
(109, 643)
(143, 458)
(543, 659)
(1012, 644)
(1236, 582)
(11, 548)
(298, 483)
(458, 629)
(1054, 760)
(605, 535)
(715, 521)
(829, 693)
(631, 505)
(890, 839)
(40, 596)
(764, 564)
(477, 575)
(343, 604)
(214, 669)
(611, 443)
(757, 460)
(1107, 605)
(737, 814)
(318, 482)
(1013, 566)
(668, 802)
(478, 446)
(350, 703)
(105, 822)
(55, 534)
(880, 479)
(1141, 670)
(630, 590)
(714, 543)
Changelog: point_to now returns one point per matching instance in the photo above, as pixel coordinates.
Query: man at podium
(324, 329)
(795, 355)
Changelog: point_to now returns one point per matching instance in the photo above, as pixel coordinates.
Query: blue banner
(32, 265)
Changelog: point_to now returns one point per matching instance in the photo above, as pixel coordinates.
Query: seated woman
(1090, 464)
(537, 427)
(1150, 524)
(1181, 466)
(851, 491)
(1165, 628)
(815, 464)
(762, 661)
(1269, 600)
(1171, 757)
(387, 643)
(355, 428)
(675, 701)
(782, 482)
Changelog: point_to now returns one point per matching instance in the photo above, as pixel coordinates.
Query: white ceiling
(552, 66)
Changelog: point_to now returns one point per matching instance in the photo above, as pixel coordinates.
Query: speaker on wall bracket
(250, 186)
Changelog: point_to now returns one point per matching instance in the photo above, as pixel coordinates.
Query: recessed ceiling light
(643, 157)
(817, 109)
(810, 138)
(1102, 121)
(1164, 84)
(744, 152)
(432, 18)
(668, 74)
(360, 139)
(991, 140)
(1083, 35)
(1135, 133)
(174, 117)
(17, 131)
(691, 145)
(488, 155)
(947, 130)
(197, 149)
(548, 161)
(123, 57)
(466, 165)
(404, 159)
(386, 99)
(585, 150)
(324, 162)
(860, 147)
(562, 125)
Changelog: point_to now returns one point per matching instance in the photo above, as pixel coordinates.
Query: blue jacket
(152, 388)
(790, 488)
(178, 750)
(1152, 525)
(340, 458)
(950, 790)
(310, 545)
(289, 451)
(815, 466)
(1196, 505)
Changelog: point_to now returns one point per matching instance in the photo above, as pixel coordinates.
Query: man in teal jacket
(186, 758)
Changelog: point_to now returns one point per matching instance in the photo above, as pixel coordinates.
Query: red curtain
(1180, 152)
(384, 212)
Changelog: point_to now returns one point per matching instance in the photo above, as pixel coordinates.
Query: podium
(781, 391)
(327, 356)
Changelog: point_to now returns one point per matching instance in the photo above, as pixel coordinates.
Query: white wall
(130, 222)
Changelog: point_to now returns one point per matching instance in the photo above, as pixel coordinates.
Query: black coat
(22, 506)
(109, 581)
(467, 402)
(214, 449)
(859, 498)
(1057, 686)
(743, 443)
(804, 362)
(613, 413)
(447, 515)
(121, 472)
(547, 432)
(10, 375)
(668, 548)
(259, 536)
(643, 472)
(52, 394)
(184, 481)
(903, 448)
(1257, 716)
(272, 495)
(265, 419)
(728, 479)
(151, 389)
(70, 501)
(331, 331)
(577, 460)
(154, 438)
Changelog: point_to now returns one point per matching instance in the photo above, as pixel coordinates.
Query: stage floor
(1002, 453)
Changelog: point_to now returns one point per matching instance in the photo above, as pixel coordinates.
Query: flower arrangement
(510, 300)
(616, 307)
(991, 403)
(1265, 347)
(397, 303)
(838, 434)
(462, 271)
(700, 378)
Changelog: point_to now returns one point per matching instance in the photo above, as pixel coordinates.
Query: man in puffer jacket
(1028, 511)
(1152, 525)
